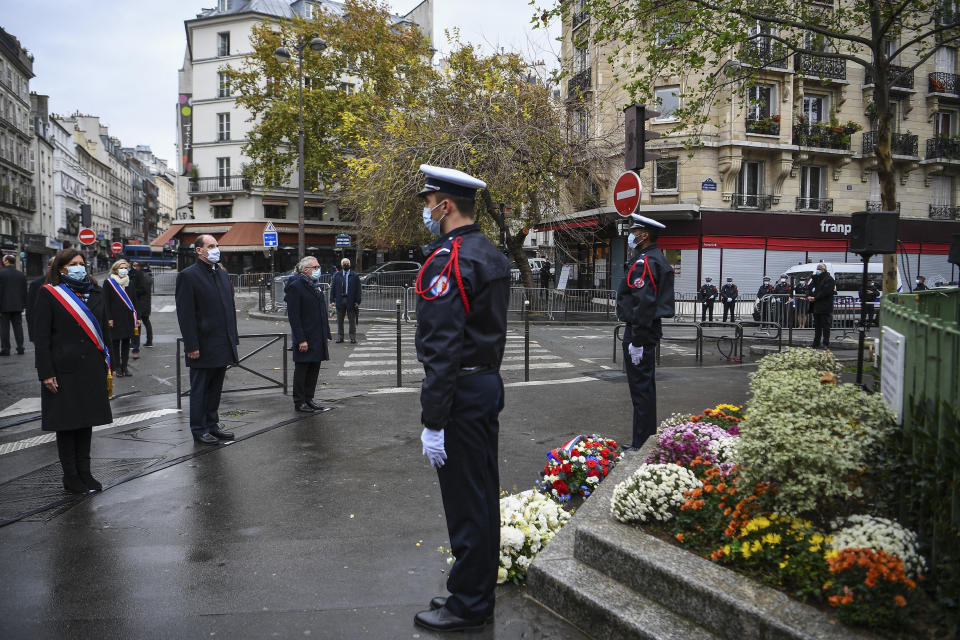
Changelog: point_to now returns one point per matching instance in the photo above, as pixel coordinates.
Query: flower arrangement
(796, 358)
(528, 521)
(728, 421)
(684, 442)
(868, 586)
(674, 420)
(725, 451)
(652, 492)
(578, 467)
(871, 532)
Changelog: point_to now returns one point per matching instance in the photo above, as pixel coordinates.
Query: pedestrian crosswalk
(375, 357)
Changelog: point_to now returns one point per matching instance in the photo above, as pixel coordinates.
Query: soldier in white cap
(644, 297)
(463, 291)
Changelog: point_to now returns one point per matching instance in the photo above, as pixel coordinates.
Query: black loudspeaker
(954, 257)
(873, 233)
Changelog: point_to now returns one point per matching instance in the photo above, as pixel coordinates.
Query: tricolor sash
(566, 448)
(126, 301)
(82, 314)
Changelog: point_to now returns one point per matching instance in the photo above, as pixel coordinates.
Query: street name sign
(270, 238)
(343, 240)
(87, 236)
(626, 193)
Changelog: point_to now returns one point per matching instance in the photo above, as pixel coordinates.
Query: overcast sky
(118, 59)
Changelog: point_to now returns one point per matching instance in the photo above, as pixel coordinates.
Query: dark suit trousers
(305, 375)
(641, 378)
(728, 308)
(206, 384)
(120, 354)
(8, 318)
(470, 488)
(144, 326)
(707, 308)
(351, 312)
(821, 328)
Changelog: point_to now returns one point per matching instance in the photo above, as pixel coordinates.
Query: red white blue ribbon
(125, 298)
(566, 448)
(82, 314)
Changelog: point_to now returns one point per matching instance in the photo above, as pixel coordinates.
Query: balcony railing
(580, 17)
(579, 82)
(820, 66)
(763, 53)
(947, 148)
(823, 205)
(901, 144)
(876, 205)
(768, 126)
(751, 201)
(944, 212)
(941, 82)
(822, 135)
(19, 200)
(219, 184)
(895, 77)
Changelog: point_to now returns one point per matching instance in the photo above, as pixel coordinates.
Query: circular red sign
(116, 247)
(626, 193)
(87, 236)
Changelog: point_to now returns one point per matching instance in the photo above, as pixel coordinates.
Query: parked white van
(848, 275)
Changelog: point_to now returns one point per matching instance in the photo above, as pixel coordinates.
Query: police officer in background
(708, 295)
(764, 305)
(729, 294)
(820, 294)
(921, 284)
(868, 297)
(463, 291)
(644, 297)
(782, 288)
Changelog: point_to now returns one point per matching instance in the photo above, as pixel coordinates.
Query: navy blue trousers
(643, 392)
(470, 487)
(206, 384)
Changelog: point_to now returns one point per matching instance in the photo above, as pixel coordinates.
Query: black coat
(207, 315)
(118, 311)
(33, 291)
(64, 351)
(142, 283)
(708, 293)
(354, 291)
(309, 320)
(645, 297)
(13, 290)
(822, 288)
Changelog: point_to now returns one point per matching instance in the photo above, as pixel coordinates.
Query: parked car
(535, 265)
(397, 273)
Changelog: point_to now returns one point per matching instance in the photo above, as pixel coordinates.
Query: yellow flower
(815, 548)
(833, 553)
(771, 538)
(816, 539)
(726, 549)
(756, 546)
(783, 564)
(746, 552)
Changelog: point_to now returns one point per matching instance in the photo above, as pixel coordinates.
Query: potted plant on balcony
(937, 85)
(852, 127)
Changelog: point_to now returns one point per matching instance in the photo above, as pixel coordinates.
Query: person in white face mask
(121, 297)
(208, 324)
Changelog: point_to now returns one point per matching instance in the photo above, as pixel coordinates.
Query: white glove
(636, 354)
(433, 446)
(729, 299)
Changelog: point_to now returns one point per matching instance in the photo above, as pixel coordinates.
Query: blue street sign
(708, 185)
(270, 239)
(343, 240)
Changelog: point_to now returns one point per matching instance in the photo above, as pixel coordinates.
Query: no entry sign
(626, 193)
(116, 247)
(87, 236)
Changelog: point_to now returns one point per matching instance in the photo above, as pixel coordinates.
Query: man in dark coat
(921, 284)
(729, 294)
(644, 298)
(307, 313)
(208, 324)
(142, 281)
(13, 300)
(820, 292)
(33, 291)
(868, 298)
(708, 295)
(345, 293)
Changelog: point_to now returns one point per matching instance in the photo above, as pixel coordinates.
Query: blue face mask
(632, 241)
(315, 274)
(433, 226)
(76, 272)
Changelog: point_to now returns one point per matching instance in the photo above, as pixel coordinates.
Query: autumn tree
(488, 115)
(720, 43)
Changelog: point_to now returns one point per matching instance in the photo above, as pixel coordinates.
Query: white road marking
(393, 362)
(167, 308)
(532, 383)
(24, 405)
(506, 367)
(19, 445)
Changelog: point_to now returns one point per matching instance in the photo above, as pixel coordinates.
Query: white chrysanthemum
(725, 450)
(872, 532)
(652, 492)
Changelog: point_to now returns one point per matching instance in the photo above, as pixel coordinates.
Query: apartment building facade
(779, 168)
(213, 195)
(18, 202)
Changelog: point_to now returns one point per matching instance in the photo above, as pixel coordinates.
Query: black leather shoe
(6, 353)
(20, 352)
(444, 620)
(91, 483)
(353, 341)
(317, 407)
(303, 407)
(221, 435)
(439, 602)
(338, 341)
(73, 484)
(205, 438)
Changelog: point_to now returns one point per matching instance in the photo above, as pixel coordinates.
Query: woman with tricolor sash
(73, 364)
(121, 297)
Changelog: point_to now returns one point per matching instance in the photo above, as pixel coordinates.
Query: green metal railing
(929, 491)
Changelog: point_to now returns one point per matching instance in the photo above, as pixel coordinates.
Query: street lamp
(283, 54)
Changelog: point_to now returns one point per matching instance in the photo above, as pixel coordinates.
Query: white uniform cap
(643, 222)
(456, 183)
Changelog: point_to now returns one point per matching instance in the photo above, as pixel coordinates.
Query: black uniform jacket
(64, 351)
(708, 293)
(142, 283)
(13, 290)
(642, 302)
(782, 288)
(869, 294)
(449, 338)
(207, 315)
(729, 291)
(33, 292)
(764, 290)
(307, 313)
(822, 288)
(117, 311)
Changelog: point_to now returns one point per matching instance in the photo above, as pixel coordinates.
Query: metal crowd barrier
(273, 338)
(689, 308)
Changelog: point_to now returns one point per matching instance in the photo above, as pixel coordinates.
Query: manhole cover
(44, 486)
(607, 375)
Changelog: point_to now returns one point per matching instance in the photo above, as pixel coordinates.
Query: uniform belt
(466, 371)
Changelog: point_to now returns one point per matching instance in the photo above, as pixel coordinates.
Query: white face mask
(433, 226)
(632, 241)
(122, 272)
(213, 255)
